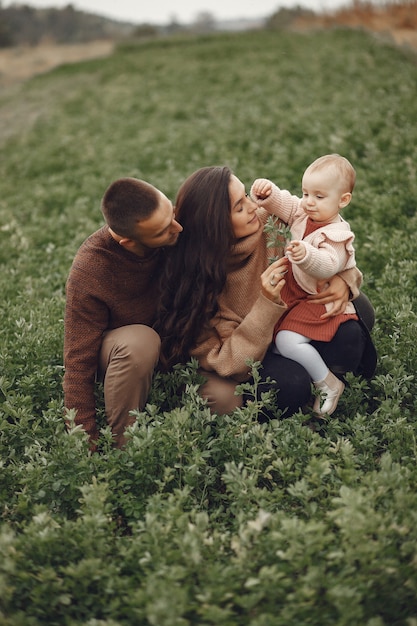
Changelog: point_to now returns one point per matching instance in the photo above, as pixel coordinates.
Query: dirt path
(18, 64)
(405, 37)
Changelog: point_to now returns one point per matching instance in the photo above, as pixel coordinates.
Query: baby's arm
(261, 189)
(276, 201)
(323, 262)
(296, 250)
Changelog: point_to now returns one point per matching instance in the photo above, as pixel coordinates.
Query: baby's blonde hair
(344, 169)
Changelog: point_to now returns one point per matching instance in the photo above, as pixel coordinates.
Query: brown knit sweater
(244, 324)
(107, 287)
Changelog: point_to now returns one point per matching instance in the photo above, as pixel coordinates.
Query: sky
(184, 11)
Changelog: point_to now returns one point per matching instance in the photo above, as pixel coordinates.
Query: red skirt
(303, 316)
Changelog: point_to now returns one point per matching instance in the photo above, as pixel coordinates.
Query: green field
(208, 520)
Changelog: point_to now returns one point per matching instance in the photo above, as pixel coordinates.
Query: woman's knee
(343, 353)
(220, 393)
(290, 380)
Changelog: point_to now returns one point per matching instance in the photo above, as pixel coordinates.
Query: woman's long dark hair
(196, 267)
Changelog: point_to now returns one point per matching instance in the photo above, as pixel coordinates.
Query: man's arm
(86, 319)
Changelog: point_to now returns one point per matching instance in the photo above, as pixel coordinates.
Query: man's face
(159, 230)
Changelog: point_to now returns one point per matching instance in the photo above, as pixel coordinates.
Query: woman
(221, 298)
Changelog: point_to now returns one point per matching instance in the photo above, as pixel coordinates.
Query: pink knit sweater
(329, 248)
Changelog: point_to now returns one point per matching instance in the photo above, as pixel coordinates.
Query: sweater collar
(244, 248)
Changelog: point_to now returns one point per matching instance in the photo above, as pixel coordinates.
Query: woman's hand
(336, 292)
(272, 280)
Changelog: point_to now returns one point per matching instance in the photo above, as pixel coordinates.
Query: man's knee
(143, 345)
(136, 345)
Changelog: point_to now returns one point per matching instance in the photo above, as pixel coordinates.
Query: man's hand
(334, 291)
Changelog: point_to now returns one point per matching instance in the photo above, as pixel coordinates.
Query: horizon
(185, 11)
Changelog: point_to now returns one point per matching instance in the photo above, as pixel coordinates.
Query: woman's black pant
(293, 384)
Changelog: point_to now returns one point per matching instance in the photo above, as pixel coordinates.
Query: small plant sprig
(278, 235)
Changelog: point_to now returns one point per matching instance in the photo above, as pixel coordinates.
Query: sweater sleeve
(353, 277)
(231, 341)
(86, 319)
(328, 259)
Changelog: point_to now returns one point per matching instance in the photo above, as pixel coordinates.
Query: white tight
(298, 348)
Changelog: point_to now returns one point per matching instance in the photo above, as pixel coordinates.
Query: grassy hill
(208, 520)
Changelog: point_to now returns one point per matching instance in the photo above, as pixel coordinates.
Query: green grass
(209, 520)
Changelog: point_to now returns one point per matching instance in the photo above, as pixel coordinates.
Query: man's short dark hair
(126, 202)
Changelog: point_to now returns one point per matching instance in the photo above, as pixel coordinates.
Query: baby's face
(323, 196)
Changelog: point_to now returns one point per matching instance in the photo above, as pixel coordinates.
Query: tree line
(23, 25)
(26, 25)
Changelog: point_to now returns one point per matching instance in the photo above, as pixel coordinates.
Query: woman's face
(243, 210)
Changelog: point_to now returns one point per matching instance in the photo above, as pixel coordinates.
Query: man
(110, 304)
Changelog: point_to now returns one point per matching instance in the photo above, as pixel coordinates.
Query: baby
(322, 247)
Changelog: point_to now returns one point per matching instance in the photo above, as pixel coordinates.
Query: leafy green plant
(278, 235)
(205, 518)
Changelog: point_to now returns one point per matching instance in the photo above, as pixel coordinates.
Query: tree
(204, 22)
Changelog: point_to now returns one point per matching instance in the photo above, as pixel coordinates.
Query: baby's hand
(297, 250)
(261, 189)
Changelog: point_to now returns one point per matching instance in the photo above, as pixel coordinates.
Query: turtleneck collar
(243, 248)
